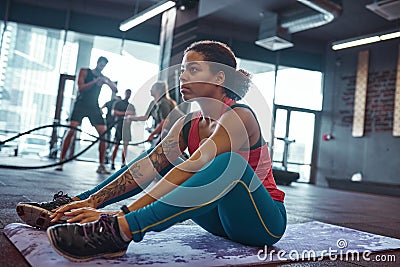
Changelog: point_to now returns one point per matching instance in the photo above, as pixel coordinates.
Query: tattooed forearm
(119, 186)
(170, 147)
(165, 153)
(141, 171)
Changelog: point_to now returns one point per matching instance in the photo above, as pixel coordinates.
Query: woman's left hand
(85, 215)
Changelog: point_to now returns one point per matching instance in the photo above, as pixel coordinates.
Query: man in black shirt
(121, 109)
(90, 83)
(110, 122)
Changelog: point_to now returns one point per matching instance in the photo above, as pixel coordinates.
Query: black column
(178, 30)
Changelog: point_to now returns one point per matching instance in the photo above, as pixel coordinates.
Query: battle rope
(100, 137)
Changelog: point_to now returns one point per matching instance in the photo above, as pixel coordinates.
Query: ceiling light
(145, 15)
(362, 41)
(365, 40)
(390, 36)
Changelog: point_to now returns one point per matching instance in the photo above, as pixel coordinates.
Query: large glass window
(261, 95)
(32, 59)
(297, 98)
(299, 88)
(29, 77)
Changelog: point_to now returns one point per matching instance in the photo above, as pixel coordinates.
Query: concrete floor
(371, 213)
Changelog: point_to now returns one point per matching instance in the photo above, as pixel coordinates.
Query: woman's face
(196, 78)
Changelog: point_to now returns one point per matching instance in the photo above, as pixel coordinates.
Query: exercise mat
(190, 245)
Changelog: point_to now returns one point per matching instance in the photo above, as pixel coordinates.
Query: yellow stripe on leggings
(211, 201)
(258, 212)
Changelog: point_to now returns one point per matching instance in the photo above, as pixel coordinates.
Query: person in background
(90, 83)
(121, 109)
(163, 110)
(110, 123)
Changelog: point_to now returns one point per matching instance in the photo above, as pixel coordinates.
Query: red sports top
(258, 158)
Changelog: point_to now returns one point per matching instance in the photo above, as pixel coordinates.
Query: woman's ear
(220, 77)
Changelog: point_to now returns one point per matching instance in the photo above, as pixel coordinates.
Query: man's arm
(82, 86)
(118, 112)
(157, 130)
(106, 105)
(138, 118)
(164, 111)
(130, 110)
(145, 116)
(111, 84)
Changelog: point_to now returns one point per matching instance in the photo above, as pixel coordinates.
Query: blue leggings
(225, 197)
(115, 175)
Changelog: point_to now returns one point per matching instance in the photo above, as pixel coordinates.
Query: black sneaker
(38, 214)
(84, 242)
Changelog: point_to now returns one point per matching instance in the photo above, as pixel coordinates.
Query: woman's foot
(83, 242)
(37, 214)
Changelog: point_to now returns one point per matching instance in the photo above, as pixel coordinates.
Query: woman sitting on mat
(226, 186)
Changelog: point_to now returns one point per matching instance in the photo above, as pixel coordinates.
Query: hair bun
(241, 85)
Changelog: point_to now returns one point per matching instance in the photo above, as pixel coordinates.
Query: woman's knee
(229, 158)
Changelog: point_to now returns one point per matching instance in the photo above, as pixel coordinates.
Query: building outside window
(32, 59)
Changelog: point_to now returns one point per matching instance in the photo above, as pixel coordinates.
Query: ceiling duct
(271, 36)
(275, 37)
(327, 11)
(388, 9)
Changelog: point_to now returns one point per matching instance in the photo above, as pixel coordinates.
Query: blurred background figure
(90, 83)
(121, 109)
(162, 109)
(110, 123)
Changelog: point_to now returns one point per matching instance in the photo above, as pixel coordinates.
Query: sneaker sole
(37, 217)
(82, 259)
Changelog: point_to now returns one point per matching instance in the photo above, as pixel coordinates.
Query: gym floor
(376, 214)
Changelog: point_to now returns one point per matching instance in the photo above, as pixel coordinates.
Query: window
(32, 59)
(299, 88)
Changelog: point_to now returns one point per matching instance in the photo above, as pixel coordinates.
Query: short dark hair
(160, 86)
(102, 59)
(237, 81)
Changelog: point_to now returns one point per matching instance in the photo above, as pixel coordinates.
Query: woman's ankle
(124, 229)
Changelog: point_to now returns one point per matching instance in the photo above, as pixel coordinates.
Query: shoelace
(104, 223)
(59, 195)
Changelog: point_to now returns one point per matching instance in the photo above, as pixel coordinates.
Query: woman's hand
(85, 215)
(58, 213)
